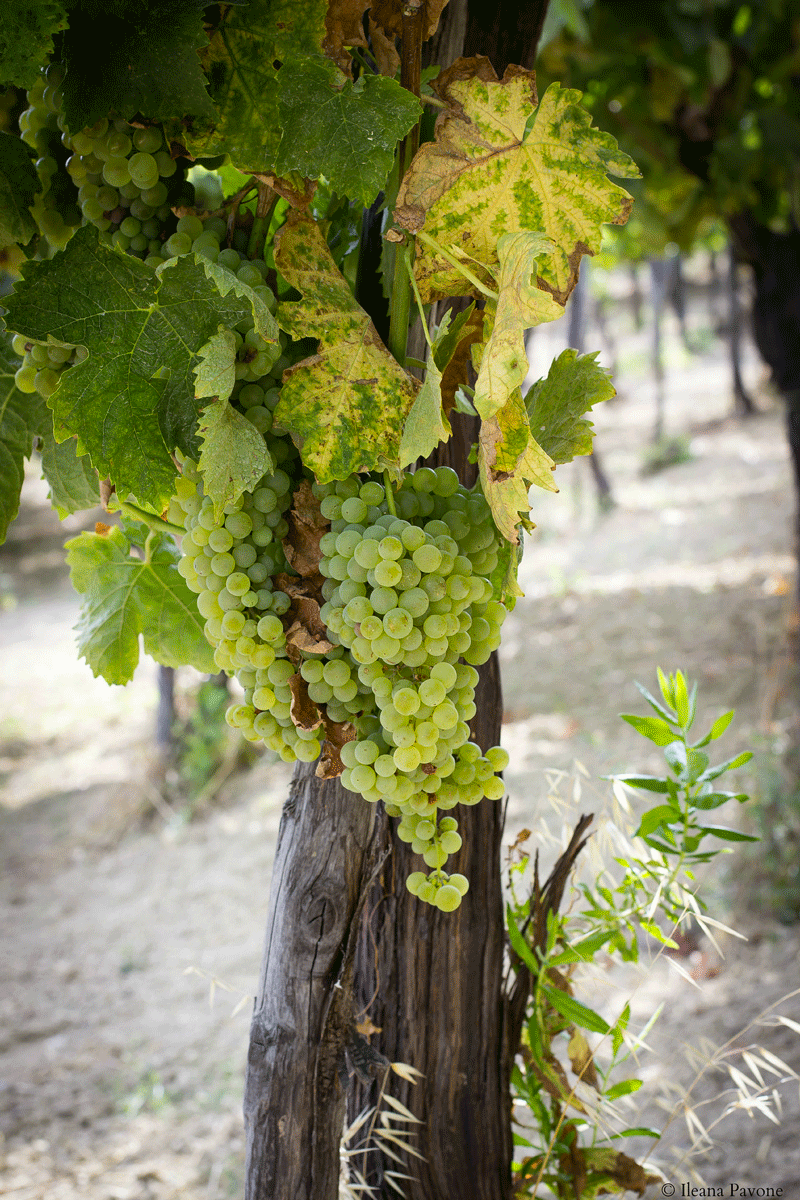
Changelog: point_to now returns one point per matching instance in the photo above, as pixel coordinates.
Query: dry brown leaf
(330, 764)
(306, 527)
(344, 27)
(366, 1028)
(580, 1056)
(303, 710)
(384, 49)
(620, 1170)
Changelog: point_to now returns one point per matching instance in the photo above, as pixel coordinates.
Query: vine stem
(462, 270)
(154, 523)
(387, 483)
(265, 207)
(410, 73)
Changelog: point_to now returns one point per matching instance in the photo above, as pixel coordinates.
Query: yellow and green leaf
(345, 406)
(501, 163)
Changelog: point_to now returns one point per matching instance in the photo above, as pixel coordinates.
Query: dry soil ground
(132, 935)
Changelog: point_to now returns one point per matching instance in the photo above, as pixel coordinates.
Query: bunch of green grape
(128, 183)
(409, 613)
(409, 597)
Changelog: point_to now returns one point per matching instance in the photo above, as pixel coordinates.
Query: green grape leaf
(149, 62)
(21, 419)
(234, 454)
(27, 28)
(243, 63)
(131, 402)
(19, 185)
(72, 478)
(346, 405)
(509, 461)
(127, 596)
(574, 384)
(426, 425)
(216, 371)
(500, 164)
(344, 131)
(520, 305)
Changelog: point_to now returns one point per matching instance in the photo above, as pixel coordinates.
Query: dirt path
(118, 1079)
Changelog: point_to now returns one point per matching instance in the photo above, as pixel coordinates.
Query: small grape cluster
(42, 364)
(128, 183)
(55, 210)
(231, 564)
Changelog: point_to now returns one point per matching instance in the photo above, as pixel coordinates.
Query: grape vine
(352, 592)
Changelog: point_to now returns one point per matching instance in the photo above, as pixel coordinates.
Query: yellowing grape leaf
(509, 460)
(345, 406)
(501, 164)
(521, 305)
(234, 454)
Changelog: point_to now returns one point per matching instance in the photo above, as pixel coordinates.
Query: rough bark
(301, 1029)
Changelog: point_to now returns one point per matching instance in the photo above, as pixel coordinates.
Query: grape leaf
(242, 63)
(19, 185)
(71, 476)
(520, 305)
(501, 164)
(128, 596)
(131, 402)
(509, 460)
(27, 28)
(234, 454)
(20, 421)
(148, 64)
(426, 426)
(344, 131)
(346, 405)
(574, 384)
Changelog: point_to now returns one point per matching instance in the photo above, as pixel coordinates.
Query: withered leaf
(306, 527)
(330, 764)
(344, 27)
(580, 1057)
(457, 371)
(303, 710)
